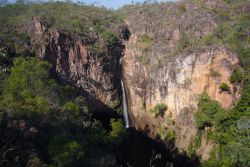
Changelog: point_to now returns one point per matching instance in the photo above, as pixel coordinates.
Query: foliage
(226, 133)
(29, 87)
(71, 110)
(97, 26)
(209, 40)
(167, 135)
(183, 43)
(224, 87)
(144, 41)
(118, 132)
(237, 75)
(63, 131)
(214, 73)
(159, 109)
(110, 38)
(232, 142)
(65, 152)
(210, 112)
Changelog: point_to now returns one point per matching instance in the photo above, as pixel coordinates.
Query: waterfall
(124, 101)
(124, 106)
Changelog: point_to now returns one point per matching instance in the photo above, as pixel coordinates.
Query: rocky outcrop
(177, 84)
(161, 74)
(73, 62)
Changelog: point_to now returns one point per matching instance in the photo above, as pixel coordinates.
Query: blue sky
(115, 3)
(109, 3)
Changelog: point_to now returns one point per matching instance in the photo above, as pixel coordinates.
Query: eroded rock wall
(98, 77)
(162, 74)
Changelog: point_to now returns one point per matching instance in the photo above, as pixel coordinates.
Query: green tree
(159, 109)
(210, 112)
(224, 87)
(29, 87)
(118, 132)
(65, 152)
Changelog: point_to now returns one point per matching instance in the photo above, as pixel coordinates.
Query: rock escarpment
(160, 67)
(74, 62)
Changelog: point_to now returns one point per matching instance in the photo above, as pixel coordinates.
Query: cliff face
(177, 84)
(159, 73)
(98, 77)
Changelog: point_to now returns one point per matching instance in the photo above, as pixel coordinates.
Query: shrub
(29, 87)
(118, 132)
(159, 109)
(215, 74)
(65, 151)
(224, 87)
(210, 40)
(167, 135)
(237, 75)
(144, 41)
(71, 108)
(170, 122)
(210, 112)
(183, 43)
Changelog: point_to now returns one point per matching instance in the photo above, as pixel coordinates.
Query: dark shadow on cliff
(138, 150)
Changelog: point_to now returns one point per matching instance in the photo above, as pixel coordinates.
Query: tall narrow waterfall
(124, 106)
(124, 101)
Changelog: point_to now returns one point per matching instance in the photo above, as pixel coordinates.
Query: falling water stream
(124, 105)
(124, 101)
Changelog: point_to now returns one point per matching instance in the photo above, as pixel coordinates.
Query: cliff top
(175, 29)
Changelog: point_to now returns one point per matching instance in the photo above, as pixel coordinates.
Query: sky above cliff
(115, 4)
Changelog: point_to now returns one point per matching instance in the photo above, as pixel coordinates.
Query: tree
(224, 87)
(210, 112)
(118, 132)
(159, 109)
(29, 87)
(65, 152)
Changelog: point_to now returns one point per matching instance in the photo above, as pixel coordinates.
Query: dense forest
(45, 121)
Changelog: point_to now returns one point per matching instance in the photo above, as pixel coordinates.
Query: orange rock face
(177, 83)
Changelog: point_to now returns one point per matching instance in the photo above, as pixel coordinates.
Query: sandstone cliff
(74, 61)
(156, 71)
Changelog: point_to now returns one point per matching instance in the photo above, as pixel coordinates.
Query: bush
(159, 109)
(29, 87)
(144, 41)
(210, 40)
(183, 43)
(64, 151)
(168, 135)
(118, 132)
(210, 113)
(215, 74)
(71, 108)
(237, 75)
(224, 87)
(110, 37)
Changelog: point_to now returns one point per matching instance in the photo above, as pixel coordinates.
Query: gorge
(177, 73)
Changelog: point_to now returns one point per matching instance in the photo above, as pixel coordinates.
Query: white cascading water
(124, 103)
(124, 106)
